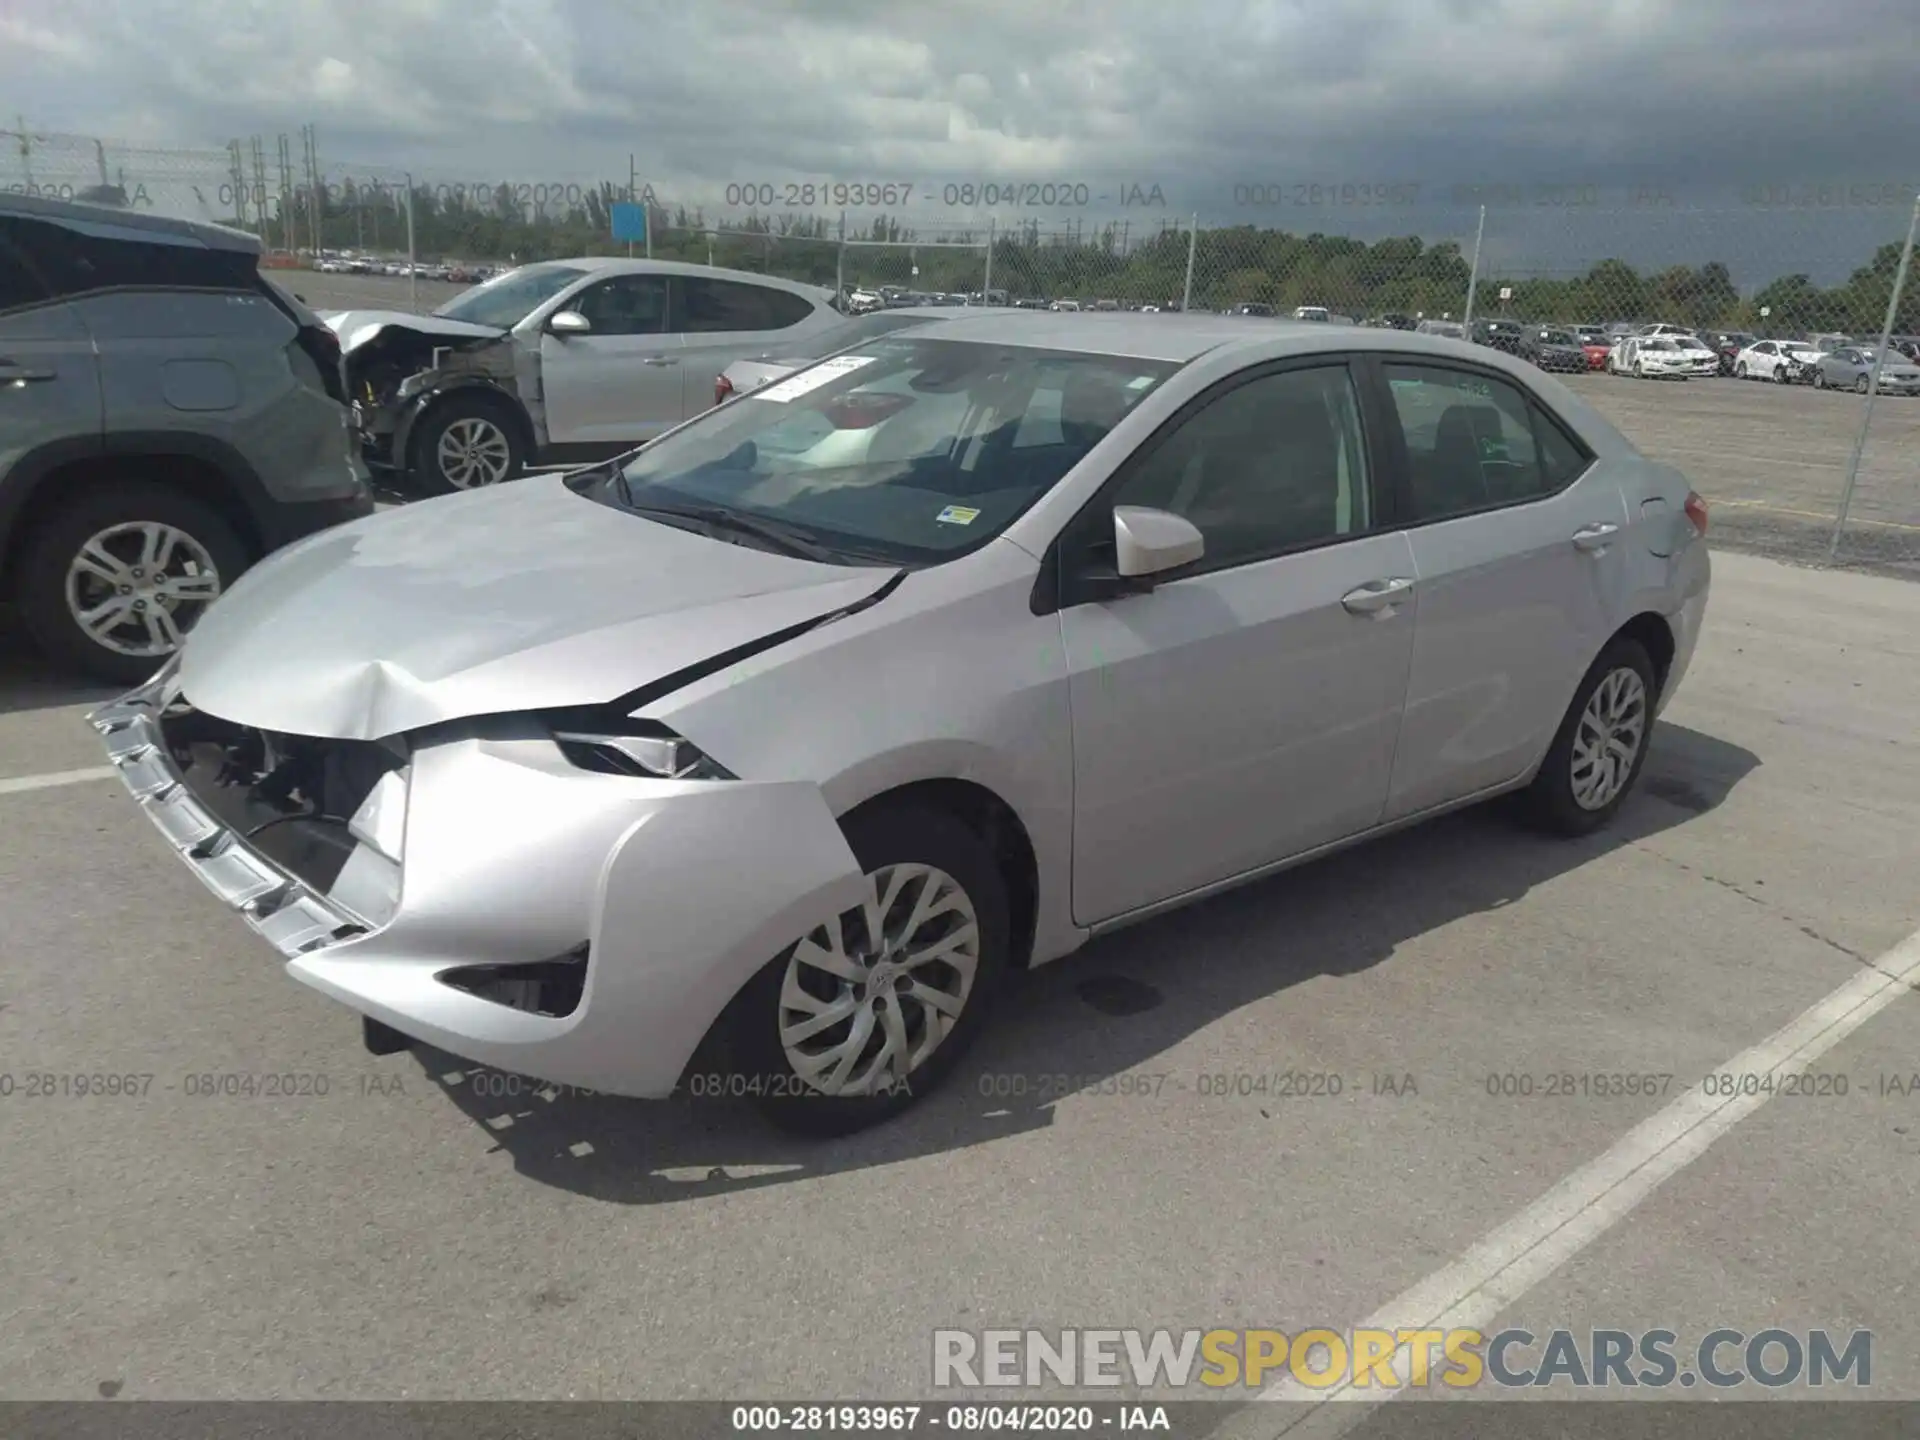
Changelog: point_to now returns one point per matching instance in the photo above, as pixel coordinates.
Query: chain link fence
(1799, 429)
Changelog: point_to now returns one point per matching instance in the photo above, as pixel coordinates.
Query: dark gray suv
(167, 416)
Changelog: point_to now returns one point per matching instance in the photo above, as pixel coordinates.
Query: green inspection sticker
(957, 515)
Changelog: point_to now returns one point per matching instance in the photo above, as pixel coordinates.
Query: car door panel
(1241, 712)
(620, 383)
(1509, 614)
(50, 390)
(1227, 721)
(1514, 598)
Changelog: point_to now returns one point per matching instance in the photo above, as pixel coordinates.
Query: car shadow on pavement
(1106, 1011)
(29, 682)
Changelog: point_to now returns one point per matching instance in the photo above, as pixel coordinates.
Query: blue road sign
(629, 221)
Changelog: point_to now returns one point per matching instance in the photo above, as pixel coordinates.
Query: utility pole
(633, 193)
(289, 232)
(260, 186)
(239, 174)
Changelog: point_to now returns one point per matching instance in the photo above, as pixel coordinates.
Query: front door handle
(1595, 538)
(1377, 597)
(20, 374)
(659, 360)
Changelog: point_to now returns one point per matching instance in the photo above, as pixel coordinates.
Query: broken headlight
(641, 748)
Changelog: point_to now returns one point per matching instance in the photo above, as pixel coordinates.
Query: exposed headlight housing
(381, 820)
(644, 749)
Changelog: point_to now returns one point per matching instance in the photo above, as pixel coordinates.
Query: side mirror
(569, 322)
(1148, 542)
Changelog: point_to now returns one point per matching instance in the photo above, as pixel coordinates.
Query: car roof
(1180, 338)
(621, 265)
(121, 223)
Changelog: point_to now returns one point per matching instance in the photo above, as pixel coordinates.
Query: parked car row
(455, 271)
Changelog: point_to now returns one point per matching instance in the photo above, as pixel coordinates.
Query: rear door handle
(20, 374)
(1377, 597)
(1595, 538)
(659, 360)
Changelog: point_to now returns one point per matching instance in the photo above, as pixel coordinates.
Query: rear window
(907, 450)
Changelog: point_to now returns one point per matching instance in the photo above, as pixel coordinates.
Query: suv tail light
(722, 389)
(1697, 511)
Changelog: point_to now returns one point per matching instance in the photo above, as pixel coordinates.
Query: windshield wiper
(786, 539)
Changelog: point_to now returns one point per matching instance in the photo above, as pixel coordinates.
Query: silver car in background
(562, 361)
(766, 752)
(1851, 368)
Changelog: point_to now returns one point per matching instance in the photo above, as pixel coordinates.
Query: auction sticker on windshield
(811, 379)
(958, 515)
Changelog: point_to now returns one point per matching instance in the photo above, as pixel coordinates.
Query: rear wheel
(1598, 752)
(875, 1007)
(1740, 371)
(113, 581)
(467, 442)
(1860, 385)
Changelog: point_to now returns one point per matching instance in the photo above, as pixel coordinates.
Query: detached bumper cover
(682, 891)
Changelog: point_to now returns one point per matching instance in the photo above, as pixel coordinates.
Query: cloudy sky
(1627, 102)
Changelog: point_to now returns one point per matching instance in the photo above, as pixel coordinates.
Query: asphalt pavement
(408, 1227)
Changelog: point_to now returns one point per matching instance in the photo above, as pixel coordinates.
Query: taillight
(1697, 512)
(722, 388)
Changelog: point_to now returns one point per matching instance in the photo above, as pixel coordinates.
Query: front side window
(907, 450)
(1471, 442)
(506, 300)
(1274, 464)
(625, 305)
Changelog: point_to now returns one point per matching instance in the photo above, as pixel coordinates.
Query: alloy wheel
(138, 587)
(1860, 385)
(474, 451)
(870, 995)
(1607, 741)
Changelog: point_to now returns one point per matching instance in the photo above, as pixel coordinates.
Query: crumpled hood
(356, 327)
(522, 597)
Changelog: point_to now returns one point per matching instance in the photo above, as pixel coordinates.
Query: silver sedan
(1851, 368)
(757, 759)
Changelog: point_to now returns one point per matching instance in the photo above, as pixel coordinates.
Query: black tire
(1549, 803)
(757, 1061)
(1740, 371)
(1819, 379)
(473, 408)
(1860, 385)
(58, 539)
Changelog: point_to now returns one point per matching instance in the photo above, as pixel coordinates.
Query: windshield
(1660, 344)
(1558, 337)
(910, 451)
(508, 299)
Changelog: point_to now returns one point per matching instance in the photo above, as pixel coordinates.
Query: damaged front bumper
(645, 903)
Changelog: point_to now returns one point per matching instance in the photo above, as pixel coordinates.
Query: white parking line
(1471, 1292)
(21, 783)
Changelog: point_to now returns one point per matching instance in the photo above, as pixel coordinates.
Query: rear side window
(18, 288)
(78, 260)
(713, 306)
(1475, 442)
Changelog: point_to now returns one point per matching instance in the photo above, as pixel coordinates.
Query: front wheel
(873, 1008)
(1601, 745)
(467, 443)
(1639, 371)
